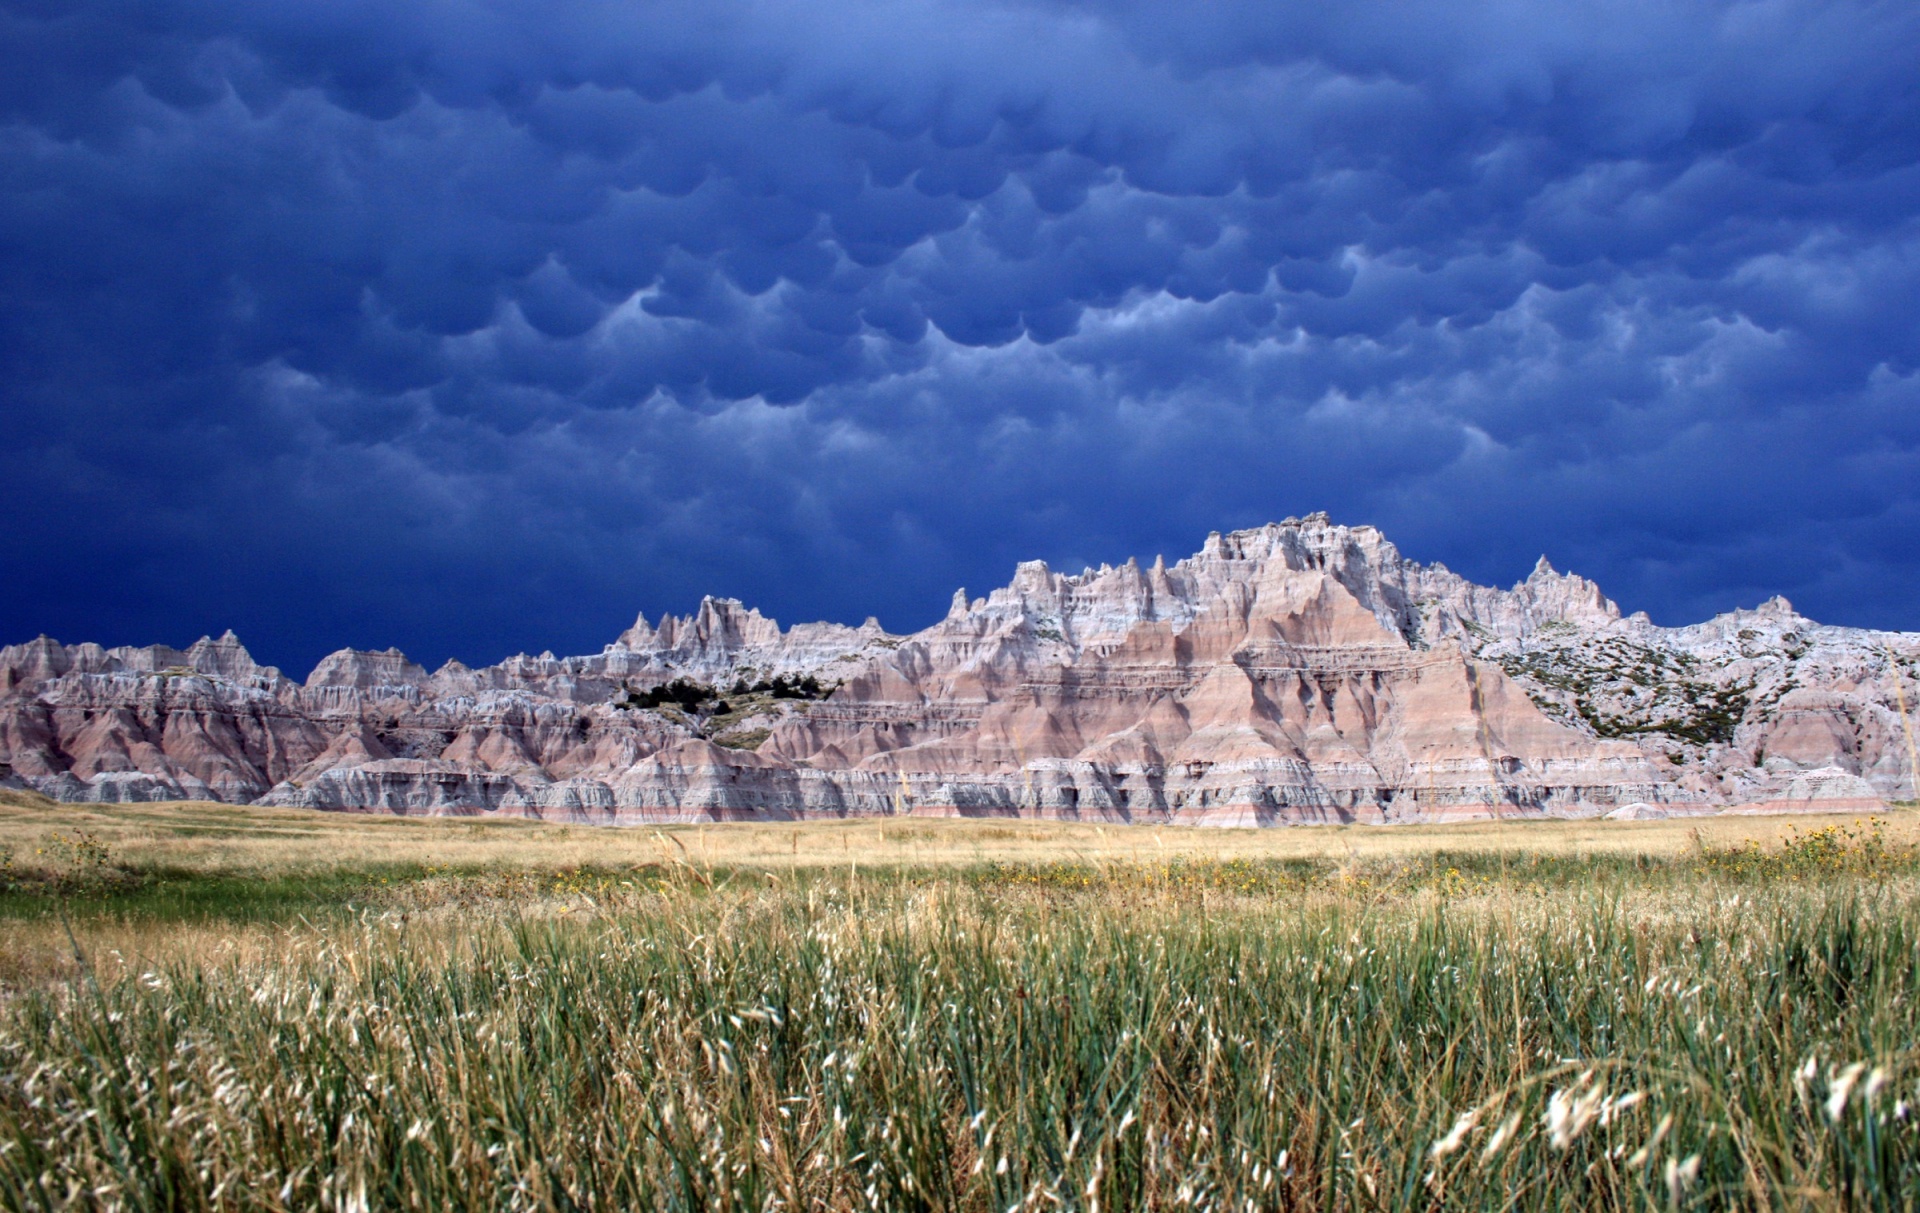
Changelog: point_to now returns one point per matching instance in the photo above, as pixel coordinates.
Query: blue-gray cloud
(480, 326)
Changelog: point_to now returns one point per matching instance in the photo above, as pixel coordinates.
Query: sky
(479, 328)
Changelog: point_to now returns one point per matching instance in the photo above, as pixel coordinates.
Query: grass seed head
(1840, 1090)
(1456, 1136)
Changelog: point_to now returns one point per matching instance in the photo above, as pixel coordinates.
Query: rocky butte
(1299, 672)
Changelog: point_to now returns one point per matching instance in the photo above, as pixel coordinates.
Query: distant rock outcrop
(1298, 672)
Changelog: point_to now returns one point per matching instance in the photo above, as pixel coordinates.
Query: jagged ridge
(1301, 671)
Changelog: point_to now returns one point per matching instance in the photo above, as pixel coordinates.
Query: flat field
(204, 1006)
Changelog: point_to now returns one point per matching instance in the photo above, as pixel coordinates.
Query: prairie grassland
(239, 840)
(517, 1020)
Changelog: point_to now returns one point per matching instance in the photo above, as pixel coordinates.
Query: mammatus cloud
(478, 327)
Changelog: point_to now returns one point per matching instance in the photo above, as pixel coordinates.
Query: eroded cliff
(1298, 672)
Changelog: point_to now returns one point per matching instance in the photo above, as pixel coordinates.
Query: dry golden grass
(236, 1007)
(239, 840)
(844, 1042)
(247, 875)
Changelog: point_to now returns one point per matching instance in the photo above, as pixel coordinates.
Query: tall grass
(956, 1044)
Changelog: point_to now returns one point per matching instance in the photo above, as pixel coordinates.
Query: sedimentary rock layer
(1299, 672)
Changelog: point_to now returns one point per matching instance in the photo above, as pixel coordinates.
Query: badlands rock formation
(1300, 672)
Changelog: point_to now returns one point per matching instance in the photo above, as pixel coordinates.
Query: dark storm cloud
(475, 327)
